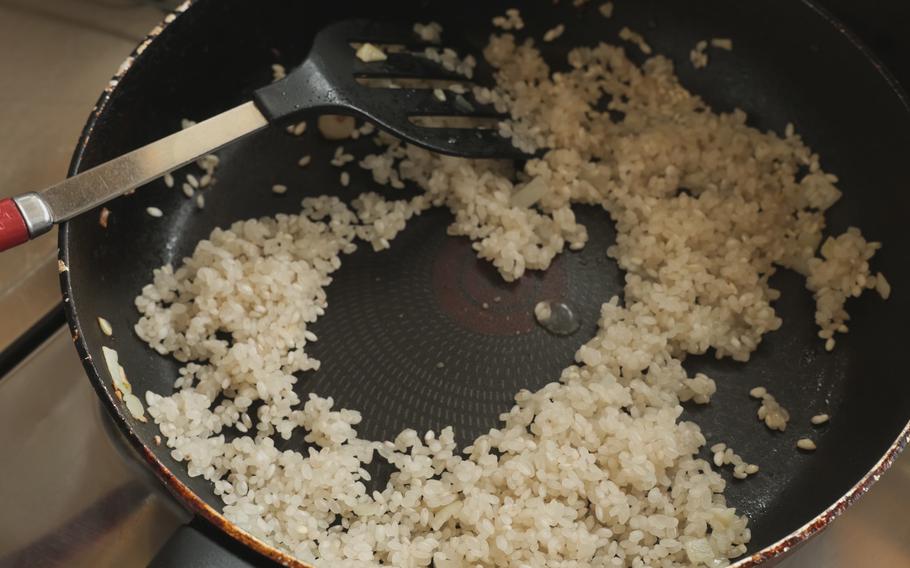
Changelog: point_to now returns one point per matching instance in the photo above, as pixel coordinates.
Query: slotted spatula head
(333, 79)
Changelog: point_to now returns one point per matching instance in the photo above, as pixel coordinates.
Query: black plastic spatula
(332, 79)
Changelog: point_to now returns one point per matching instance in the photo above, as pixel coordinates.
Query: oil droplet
(556, 317)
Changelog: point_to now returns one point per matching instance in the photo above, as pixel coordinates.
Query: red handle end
(13, 230)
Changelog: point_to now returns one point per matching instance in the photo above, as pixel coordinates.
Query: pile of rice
(594, 469)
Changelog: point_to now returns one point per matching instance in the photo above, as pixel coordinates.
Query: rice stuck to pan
(594, 469)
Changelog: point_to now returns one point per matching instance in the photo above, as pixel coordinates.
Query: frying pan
(394, 315)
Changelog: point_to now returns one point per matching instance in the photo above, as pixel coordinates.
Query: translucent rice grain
(758, 392)
(105, 326)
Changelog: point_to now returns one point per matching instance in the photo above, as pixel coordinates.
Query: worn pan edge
(821, 521)
(183, 493)
(173, 483)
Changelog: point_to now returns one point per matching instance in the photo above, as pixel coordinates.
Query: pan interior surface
(425, 335)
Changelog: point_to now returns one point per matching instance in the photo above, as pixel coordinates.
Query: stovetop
(73, 493)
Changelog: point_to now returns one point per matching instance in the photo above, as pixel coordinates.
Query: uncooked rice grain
(511, 21)
(724, 455)
(278, 72)
(450, 60)
(431, 32)
(554, 33)
(297, 129)
(882, 286)
(341, 158)
(636, 38)
(819, 419)
(208, 163)
(772, 413)
(697, 56)
(542, 311)
(105, 326)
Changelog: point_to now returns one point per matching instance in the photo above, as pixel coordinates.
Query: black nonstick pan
(393, 315)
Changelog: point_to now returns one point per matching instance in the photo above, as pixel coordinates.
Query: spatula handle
(31, 214)
(13, 230)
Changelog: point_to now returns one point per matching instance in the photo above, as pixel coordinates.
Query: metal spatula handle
(327, 81)
(32, 214)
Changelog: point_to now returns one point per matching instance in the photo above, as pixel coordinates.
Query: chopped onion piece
(134, 405)
(530, 193)
(368, 53)
(110, 359)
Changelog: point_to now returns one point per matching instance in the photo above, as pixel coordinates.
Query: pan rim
(198, 506)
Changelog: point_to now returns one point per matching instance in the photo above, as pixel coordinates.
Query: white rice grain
(511, 21)
(636, 38)
(554, 33)
(105, 326)
(819, 419)
(697, 56)
(431, 32)
(278, 72)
